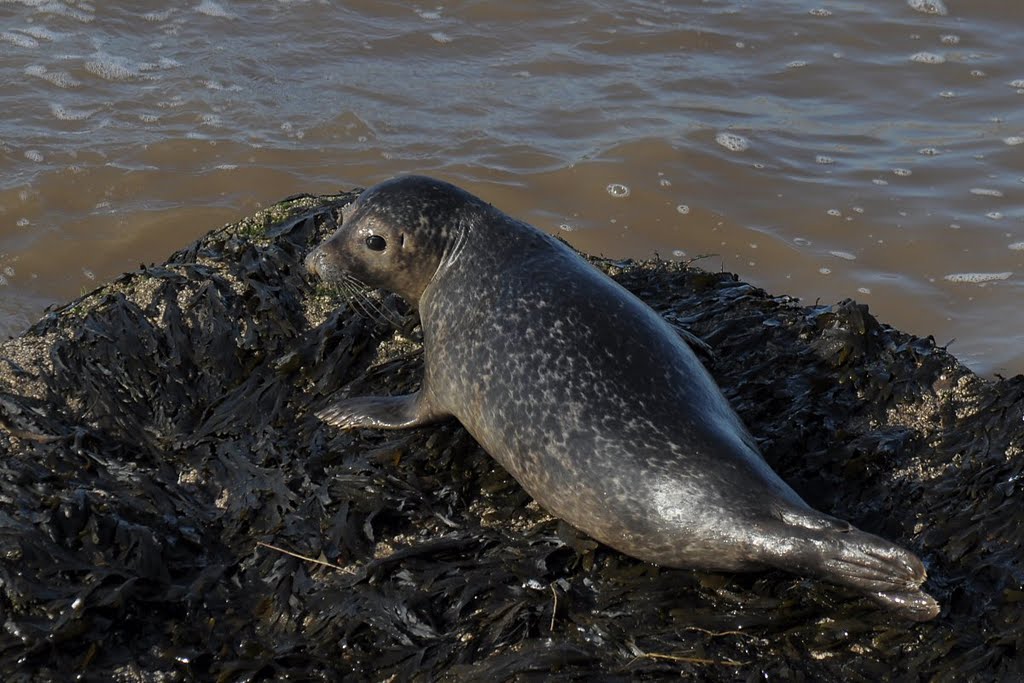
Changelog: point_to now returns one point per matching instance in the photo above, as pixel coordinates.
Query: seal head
(397, 235)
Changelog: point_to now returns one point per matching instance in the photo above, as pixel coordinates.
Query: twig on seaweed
(714, 634)
(690, 660)
(554, 607)
(25, 434)
(301, 557)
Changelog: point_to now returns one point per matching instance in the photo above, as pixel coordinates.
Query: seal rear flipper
(883, 571)
(381, 412)
(915, 605)
(812, 519)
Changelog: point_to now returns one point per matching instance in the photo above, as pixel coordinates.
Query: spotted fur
(587, 397)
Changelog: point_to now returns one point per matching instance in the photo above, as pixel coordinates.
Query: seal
(586, 396)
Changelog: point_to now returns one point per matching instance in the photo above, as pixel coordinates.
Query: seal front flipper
(381, 412)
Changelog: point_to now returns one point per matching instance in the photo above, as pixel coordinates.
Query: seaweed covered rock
(170, 508)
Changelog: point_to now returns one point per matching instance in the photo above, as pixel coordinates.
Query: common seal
(586, 396)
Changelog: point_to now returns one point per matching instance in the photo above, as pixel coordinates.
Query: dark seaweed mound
(160, 464)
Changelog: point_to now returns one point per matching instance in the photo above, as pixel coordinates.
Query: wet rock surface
(170, 508)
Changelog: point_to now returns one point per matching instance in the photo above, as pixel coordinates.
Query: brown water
(820, 149)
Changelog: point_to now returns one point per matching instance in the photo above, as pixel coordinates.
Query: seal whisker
(356, 293)
(375, 309)
(358, 302)
(353, 298)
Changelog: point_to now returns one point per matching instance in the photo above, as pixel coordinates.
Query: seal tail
(839, 553)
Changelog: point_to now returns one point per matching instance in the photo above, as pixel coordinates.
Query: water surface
(823, 150)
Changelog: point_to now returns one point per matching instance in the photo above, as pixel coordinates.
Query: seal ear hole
(401, 240)
(376, 243)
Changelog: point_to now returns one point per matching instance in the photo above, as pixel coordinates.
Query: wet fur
(587, 397)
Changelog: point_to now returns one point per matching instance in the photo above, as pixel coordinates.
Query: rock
(170, 508)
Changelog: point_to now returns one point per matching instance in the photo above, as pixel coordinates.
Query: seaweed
(171, 509)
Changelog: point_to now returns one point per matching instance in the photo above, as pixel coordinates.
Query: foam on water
(43, 33)
(82, 12)
(61, 79)
(19, 39)
(112, 68)
(928, 6)
(977, 278)
(927, 58)
(214, 9)
(733, 142)
(61, 113)
(158, 17)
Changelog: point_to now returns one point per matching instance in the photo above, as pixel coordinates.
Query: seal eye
(376, 242)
